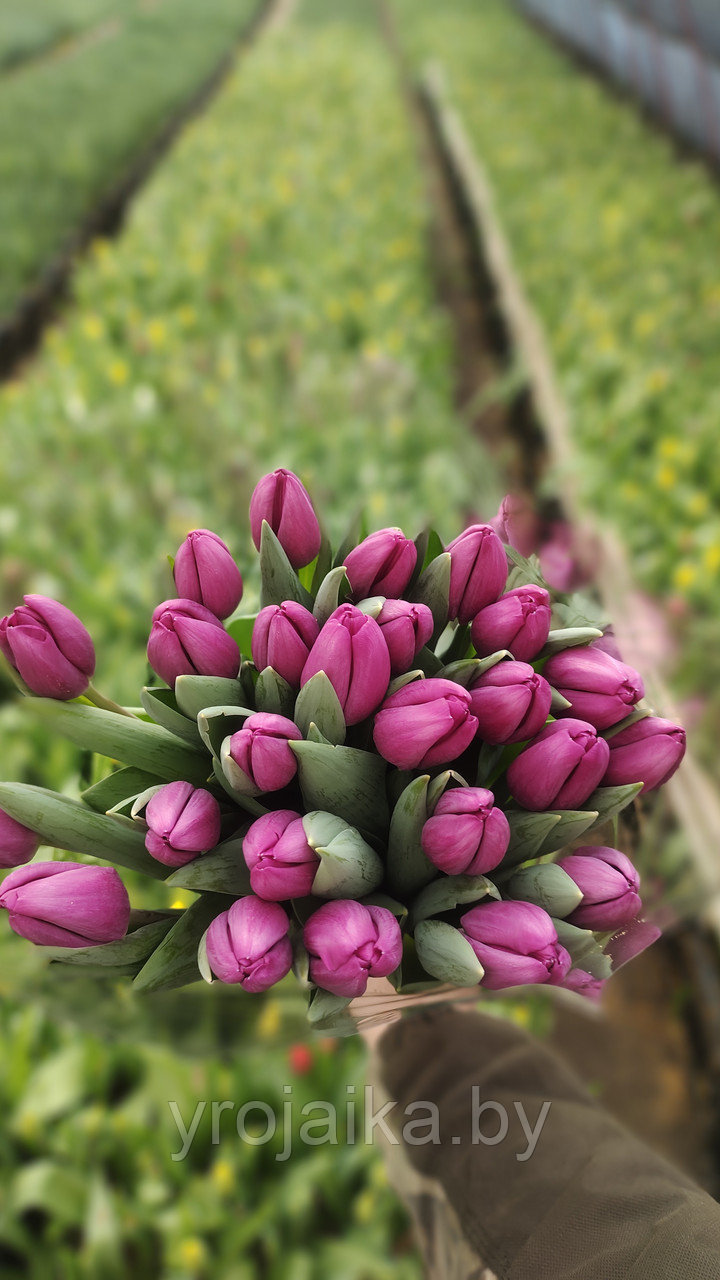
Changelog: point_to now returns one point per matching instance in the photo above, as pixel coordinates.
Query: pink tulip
(66, 904)
(511, 702)
(406, 628)
(478, 571)
(427, 722)
(183, 821)
(282, 638)
(249, 944)
(282, 864)
(382, 564)
(18, 844)
(353, 654)
(205, 572)
(518, 621)
(282, 500)
(584, 984)
(560, 768)
(609, 884)
(648, 751)
(186, 639)
(466, 835)
(49, 648)
(600, 689)
(347, 943)
(516, 943)
(260, 749)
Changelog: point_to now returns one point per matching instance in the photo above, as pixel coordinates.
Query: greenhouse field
(618, 252)
(274, 299)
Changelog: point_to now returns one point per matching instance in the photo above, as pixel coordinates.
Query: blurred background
(229, 241)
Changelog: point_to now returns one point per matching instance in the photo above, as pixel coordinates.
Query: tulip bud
(426, 722)
(186, 639)
(406, 628)
(66, 904)
(18, 844)
(381, 565)
(354, 656)
(282, 638)
(49, 648)
(609, 884)
(599, 689)
(648, 751)
(518, 621)
(466, 835)
(516, 524)
(560, 768)
(205, 572)
(283, 501)
(511, 702)
(516, 943)
(183, 821)
(258, 757)
(249, 944)
(281, 861)
(478, 571)
(582, 982)
(347, 943)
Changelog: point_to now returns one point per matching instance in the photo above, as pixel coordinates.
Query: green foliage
(31, 27)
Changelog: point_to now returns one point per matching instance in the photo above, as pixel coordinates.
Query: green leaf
(547, 886)
(528, 834)
(558, 703)
(322, 566)
(133, 949)
(607, 801)
(581, 611)
(433, 589)
(317, 703)
(215, 724)
(246, 802)
(333, 586)
(147, 746)
(586, 951)
(450, 892)
(161, 704)
(328, 1013)
(398, 909)
(569, 638)
(63, 823)
(279, 581)
(174, 962)
(273, 694)
(52, 1189)
(440, 783)
(344, 781)
(355, 534)
(428, 662)
(406, 678)
(349, 867)
(195, 693)
(446, 955)
(408, 868)
(639, 713)
(121, 785)
(525, 572)
(573, 823)
(223, 870)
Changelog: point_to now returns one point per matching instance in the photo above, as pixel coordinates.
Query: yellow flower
(187, 316)
(93, 327)
(222, 1175)
(268, 1024)
(192, 1253)
(157, 333)
(670, 447)
(657, 379)
(698, 504)
(666, 478)
(118, 372)
(685, 576)
(711, 557)
(645, 323)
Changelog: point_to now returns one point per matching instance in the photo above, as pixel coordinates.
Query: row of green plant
(269, 303)
(70, 127)
(616, 241)
(37, 26)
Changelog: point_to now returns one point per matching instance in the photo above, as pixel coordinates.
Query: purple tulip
(282, 864)
(66, 904)
(205, 572)
(478, 571)
(49, 647)
(353, 654)
(260, 749)
(600, 689)
(466, 835)
(648, 751)
(406, 628)
(183, 821)
(511, 702)
(348, 943)
(518, 621)
(560, 768)
(249, 944)
(516, 943)
(186, 639)
(582, 982)
(18, 844)
(516, 524)
(382, 565)
(609, 884)
(426, 722)
(282, 638)
(283, 501)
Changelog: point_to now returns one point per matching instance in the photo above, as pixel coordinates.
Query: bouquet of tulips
(389, 772)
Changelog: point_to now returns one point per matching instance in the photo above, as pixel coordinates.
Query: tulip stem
(106, 704)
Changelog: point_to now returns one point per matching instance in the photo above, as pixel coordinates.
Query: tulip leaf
(132, 950)
(322, 565)
(446, 955)
(64, 823)
(528, 833)
(344, 781)
(147, 746)
(317, 703)
(246, 802)
(434, 547)
(398, 909)
(349, 868)
(608, 801)
(465, 670)
(195, 693)
(569, 638)
(580, 611)
(428, 662)
(433, 589)
(583, 946)
(223, 870)
(162, 706)
(457, 647)
(123, 784)
(638, 713)
(408, 868)
(545, 885)
(558, 703)
(329, 1013)
(215, 724)
(279, 581)
(450, 892)
(329, 593)
(273, 695)
(440, 783)
(406, 678)
(573, 823)
(525, 572)
(354, 535)
(174, 962)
